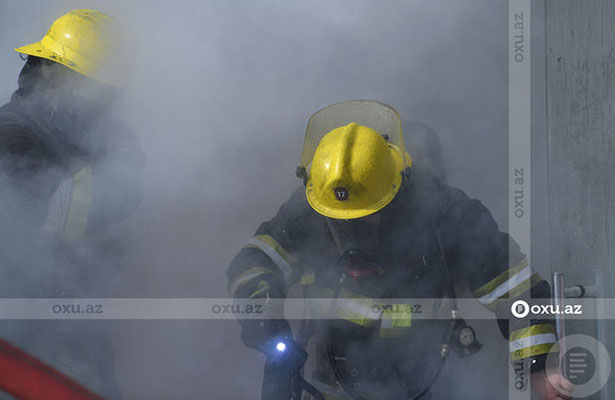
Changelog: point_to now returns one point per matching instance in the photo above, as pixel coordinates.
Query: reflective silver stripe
(246, 277)
(358, 308)
(344, 308)
(387, 323)
(81, 201)
(69, 206)
(59, 207)
(507, 286)
(532, 341)
(274, 256)
(392, 320)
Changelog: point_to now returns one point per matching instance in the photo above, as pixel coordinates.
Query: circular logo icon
(520, 309)
(585, 361)
(341, 193)
(580, 365)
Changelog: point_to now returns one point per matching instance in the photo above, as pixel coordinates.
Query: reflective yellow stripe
(271, 242)
(500, 279)
(508, 285)
(533, 351)
(354, 308)
(246, 277)
(396, 315)
(396, 318)
(526, 342)
(537, 329)
(357, 310)
(280, 257)
(307, 279)
(81, 201)
(261, 289)
(361, 310)
(533, 340)
(348, 306)
(517, 291)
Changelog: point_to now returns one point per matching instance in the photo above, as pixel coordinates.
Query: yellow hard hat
(355, 172)
(86, 41)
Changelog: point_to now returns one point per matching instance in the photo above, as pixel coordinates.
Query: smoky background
(220, 96)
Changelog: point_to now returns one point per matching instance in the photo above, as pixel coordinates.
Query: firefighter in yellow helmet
(88, 42)
(68, 170)
(368, 225)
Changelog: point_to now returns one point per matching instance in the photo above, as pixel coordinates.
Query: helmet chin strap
(301, 173)
(406, 174)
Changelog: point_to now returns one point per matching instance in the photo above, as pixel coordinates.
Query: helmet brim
(353, 213)
(85, 67)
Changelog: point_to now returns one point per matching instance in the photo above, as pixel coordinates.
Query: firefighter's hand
(258, 334)
(551, 385)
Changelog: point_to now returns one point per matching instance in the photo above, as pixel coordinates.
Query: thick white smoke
(220, 95)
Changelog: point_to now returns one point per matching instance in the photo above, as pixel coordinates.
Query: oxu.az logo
(521, 309)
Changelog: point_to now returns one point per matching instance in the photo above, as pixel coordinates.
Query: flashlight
(286, 351)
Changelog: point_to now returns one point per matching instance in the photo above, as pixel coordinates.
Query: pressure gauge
(464, 340)
(467, 336)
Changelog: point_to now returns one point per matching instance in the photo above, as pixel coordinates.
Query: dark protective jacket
(427, 223)
(69, 151)
(65, 176)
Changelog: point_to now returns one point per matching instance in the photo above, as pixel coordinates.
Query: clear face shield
(381, 117)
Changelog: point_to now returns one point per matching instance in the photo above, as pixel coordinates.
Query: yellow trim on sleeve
(500, 279)
(517, 291)
(246, 277)
(533, 351)
(533, 330)
(271, 242)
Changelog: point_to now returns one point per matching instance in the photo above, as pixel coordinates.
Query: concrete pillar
(580, 85)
